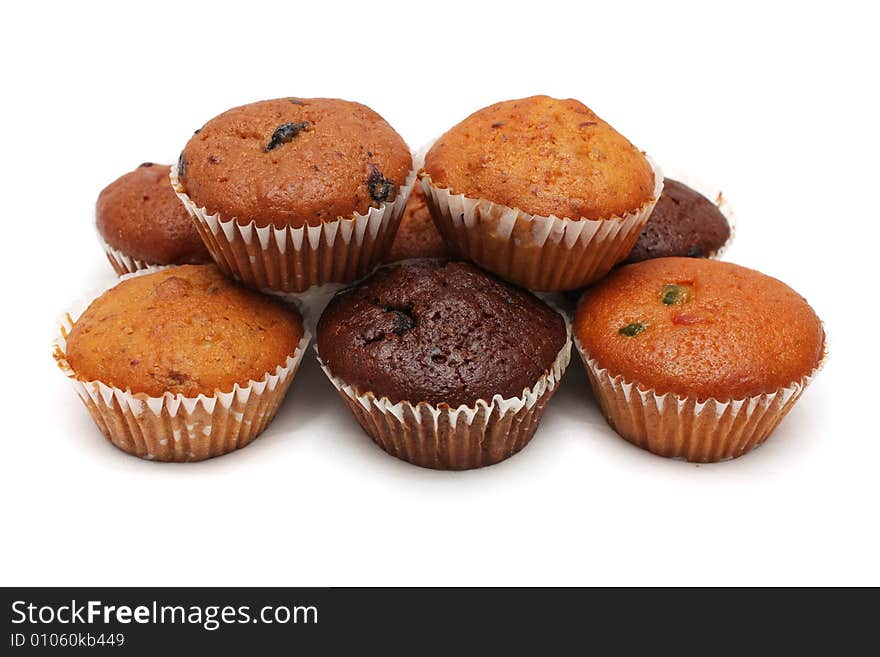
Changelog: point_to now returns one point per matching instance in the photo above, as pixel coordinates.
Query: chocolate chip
(401, 321)
(285, 133)
(380, 188)
(145, 164)
(197, 131)
(181, 166)
(695, 251)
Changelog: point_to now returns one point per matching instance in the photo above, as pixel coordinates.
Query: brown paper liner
(175, 427)
(684, 427)
(446, 438)
(540, 253)
(296, 259)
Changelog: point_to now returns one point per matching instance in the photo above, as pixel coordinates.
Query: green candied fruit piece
(674, 295)
(632, 329)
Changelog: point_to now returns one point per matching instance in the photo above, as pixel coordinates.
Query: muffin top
(699, 328)
(544, 156)
(439, 332)
(294, 162)
(417, 236)
(140, 215)
(185, 330)
(683, 223)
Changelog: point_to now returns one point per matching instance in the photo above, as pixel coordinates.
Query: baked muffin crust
(417, 236)
(700, 328)
(185, 330)
(140, 215)
(544, 156)
(437, 332)
(294, 162)
(683, 223)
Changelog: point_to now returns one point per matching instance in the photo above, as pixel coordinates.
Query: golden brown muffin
(185, 330)
(294, 162)
(544, 156)
(417, 236)
(140, 215)
(699, 328)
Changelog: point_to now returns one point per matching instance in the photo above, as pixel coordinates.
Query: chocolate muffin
(196, 364)
(442, 364)
(143, 223)
(258, 176)
(540, 191)
(684, 223)
(695, 358)
(417, 236)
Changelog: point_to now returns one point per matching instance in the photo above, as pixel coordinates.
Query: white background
(775, 105)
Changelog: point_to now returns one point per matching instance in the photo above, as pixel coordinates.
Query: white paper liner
(296, 259)
(461, 438)
(541, 253)
(174, 427)
(122, 263)
(683, 427)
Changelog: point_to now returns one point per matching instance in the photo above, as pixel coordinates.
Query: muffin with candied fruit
(142, 222)
(417, 236)
(540, 191)
(684, 223)
(697, 359)
(443, 365)
(181, 364)
(296, 192)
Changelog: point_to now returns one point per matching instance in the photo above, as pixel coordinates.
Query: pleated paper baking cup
(174, 427)
(684, 427)
(122, 263)
(462, 438)
(540, 253)
(295, 259)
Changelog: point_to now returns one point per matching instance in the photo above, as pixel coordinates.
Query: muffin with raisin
(142, 222)
(686, 357)
(181, 364)
(296, 192)
(684, 223)
(443, 365)
(540, 191)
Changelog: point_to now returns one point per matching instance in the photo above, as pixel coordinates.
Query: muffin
(293, 192)
(697, 359)
(142, 222)
(684, 223)
(417, 236)
(442, 365)
(540, 191)
(181, 364)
